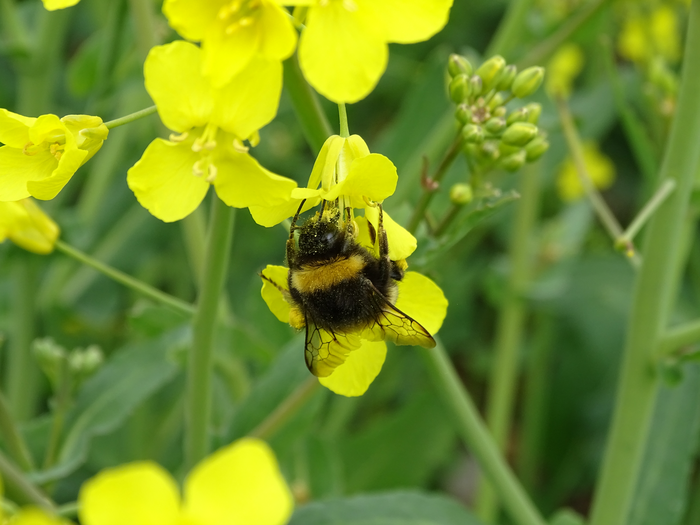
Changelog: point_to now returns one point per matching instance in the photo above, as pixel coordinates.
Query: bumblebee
(341, 292)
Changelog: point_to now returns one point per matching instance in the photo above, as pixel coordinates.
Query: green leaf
(107, 399)
(567, 517)
(662, 491)
(395, 508)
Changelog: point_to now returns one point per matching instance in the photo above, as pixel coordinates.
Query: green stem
(297, 399)
(143, 16)
(62, 403)
(22, 488)
(510, 29)
(199, 365)
(601, 208)
(68, 510)
(12, 437)
(476, 436)
(445, 222)
(652, 300)
(679, 336)
(427, 196)
(313, 121)
(343, 117)
(645, 214)
(541, 52)
(511, 321)
(131, 117)
(14, 28)
(163, 298)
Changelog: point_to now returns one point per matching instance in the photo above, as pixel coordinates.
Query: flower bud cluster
(66, 370)
(495, 137)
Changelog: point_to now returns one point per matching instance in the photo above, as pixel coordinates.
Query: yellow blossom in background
(27, 226)
(35, 516)
(563, 68)
(600, 169)
(52, 5)
(239, 484)
(41, 155)
(233, 32)
(343, 49)
(174, 175)
(644, 37)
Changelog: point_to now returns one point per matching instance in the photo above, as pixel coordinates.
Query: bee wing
(394, 325)
(325, 350)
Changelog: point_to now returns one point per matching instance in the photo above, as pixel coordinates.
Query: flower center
(54, 144)
(238, 13)
(204, 145)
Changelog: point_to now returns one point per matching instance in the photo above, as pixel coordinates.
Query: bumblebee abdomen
(345, 306)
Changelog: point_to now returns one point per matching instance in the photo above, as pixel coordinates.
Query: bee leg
(291, 248)
(385, 262)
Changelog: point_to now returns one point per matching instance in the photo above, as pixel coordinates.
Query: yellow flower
(644, 37)
(35, 516)
(343, 50)
(233, 32)
(563, 68)
(52, 5)
(346, 170)
(600, 168)
(27, 226)
(41, 155)
(174, 175)
(240, 484)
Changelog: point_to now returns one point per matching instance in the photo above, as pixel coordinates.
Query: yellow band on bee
(314, 279)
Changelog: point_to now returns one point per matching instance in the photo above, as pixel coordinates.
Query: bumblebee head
(321, 237)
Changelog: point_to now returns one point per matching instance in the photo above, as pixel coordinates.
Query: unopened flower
(210, 125)
(41, 154)
(27, 226)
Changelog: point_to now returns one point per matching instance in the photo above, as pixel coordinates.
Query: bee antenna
(323, 206)
(294, 220)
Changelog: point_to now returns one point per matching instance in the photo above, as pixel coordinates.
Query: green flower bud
(458, 65)
(463, 114)
(536, 148)
(51, 358)
(472, 134)
(500, 111)
(495, 125)
(507, 149)
(461, 194)
(496, 101)
(506, 77)
(519, 133)
(527, 81)
(489, 150)
(514, 161)
(459, 88)
(519, 115)
(476, 85)
(85, 362)
(534, 111)
(489, 70)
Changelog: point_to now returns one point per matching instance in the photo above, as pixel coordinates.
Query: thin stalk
(194, 234)
(343, 118)
(14, 28)
(445, 222)
(199, 363)
(23, 489)
(510, 327)
(652, 300)
(61, 405)
(541, 52)
(678, 337)
(297, 399)
(478, 439)
(68, 510)
(143, 17)
(312, 120)
(13, 438)
(427, 196)
(510, 29)
(606, 216)
(138, 286)
(645, 214)
(132, 117)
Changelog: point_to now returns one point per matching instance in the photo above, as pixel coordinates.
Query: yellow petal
(89, 132)
(243, 182)
(34, 516)
(324, 166)
(48, 188)
(272, 295)
(423, 300)
(163, 181)
(52, 5)
(16, 169)
(140, 493)
(192, 19)
(354, 376)
(250, 100)
(46, 127)
(27, 226)
(401, 242)
(271, 215)
(373, 176)
(240, 484)
(358, 147)
(406, 21)
(175, 83)
(226, 55)
(14, 128)
(340, 57)
(278, 36)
